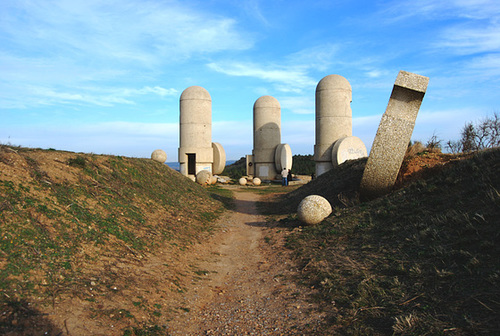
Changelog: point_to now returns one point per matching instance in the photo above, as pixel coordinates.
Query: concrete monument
(196, 150)
(393, 135)
(333, 118)
(269, 155)
(266, 136)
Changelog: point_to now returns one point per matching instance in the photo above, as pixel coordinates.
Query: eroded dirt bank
(245, 286)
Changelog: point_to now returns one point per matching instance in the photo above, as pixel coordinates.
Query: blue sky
(105, 77)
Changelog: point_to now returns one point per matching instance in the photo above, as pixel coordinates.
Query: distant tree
(474, 137)
(434, 144)
(303, 164)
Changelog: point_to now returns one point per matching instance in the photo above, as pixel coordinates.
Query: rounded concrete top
(266, 101)
(195, 92)
(333, 82)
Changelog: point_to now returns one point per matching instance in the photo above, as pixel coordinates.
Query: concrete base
(323, 167)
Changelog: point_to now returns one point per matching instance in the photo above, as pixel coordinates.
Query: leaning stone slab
(393, 135)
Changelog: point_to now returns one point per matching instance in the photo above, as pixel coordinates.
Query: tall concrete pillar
(266, 136)
(195, 145)
(333, 118)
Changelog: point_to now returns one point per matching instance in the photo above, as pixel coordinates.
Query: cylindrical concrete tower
(333, 118)
(195, 145)
(266, 136)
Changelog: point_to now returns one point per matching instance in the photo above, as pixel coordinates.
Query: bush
(484, 135)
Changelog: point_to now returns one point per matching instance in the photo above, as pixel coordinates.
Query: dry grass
(76, 226)
(423, 260)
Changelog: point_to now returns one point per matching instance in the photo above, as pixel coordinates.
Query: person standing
(289, 178)
(284, 176)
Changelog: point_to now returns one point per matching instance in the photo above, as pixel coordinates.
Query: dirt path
(245, 288)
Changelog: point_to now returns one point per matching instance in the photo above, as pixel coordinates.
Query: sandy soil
(247, 288)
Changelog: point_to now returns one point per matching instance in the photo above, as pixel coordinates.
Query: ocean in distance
(175, 165)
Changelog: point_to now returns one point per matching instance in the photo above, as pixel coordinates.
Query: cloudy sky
(105, 76)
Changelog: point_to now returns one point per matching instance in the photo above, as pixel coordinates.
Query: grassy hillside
(424, 260)
(81, 228)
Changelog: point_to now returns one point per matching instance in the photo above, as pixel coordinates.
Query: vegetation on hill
(423, 260)
(237, 169)
(72, 225)
(302, 165)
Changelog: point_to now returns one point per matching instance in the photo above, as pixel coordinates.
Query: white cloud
(139, 31)
(286, 78)
(471, 39)
(298, 104)
(395, 11)
(53, 48)
(106, 97)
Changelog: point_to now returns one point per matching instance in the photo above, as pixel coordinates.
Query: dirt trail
(246, 289)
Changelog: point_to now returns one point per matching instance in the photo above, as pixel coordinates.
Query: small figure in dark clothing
(289, 177)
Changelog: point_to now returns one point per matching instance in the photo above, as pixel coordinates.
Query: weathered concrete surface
(266, 136)
(195, 131)
(159, 155)
(313, 209)
(283, 157)
(333, 118)
(348, 148)
(203, 177)
(219, 158)
(393, 135)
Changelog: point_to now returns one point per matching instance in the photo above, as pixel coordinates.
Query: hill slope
(422, 260)
(80, 231)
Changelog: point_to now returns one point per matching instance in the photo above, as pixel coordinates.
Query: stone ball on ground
(256, 181)
(203, 177)
(242, 181)
(159, 155)
(213, 180)
(313, 209)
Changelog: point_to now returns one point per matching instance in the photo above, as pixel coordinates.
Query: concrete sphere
(203, 177)
(242, 181)
(213, 180)
(256, 181)
(159, 155)
(313, 209)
